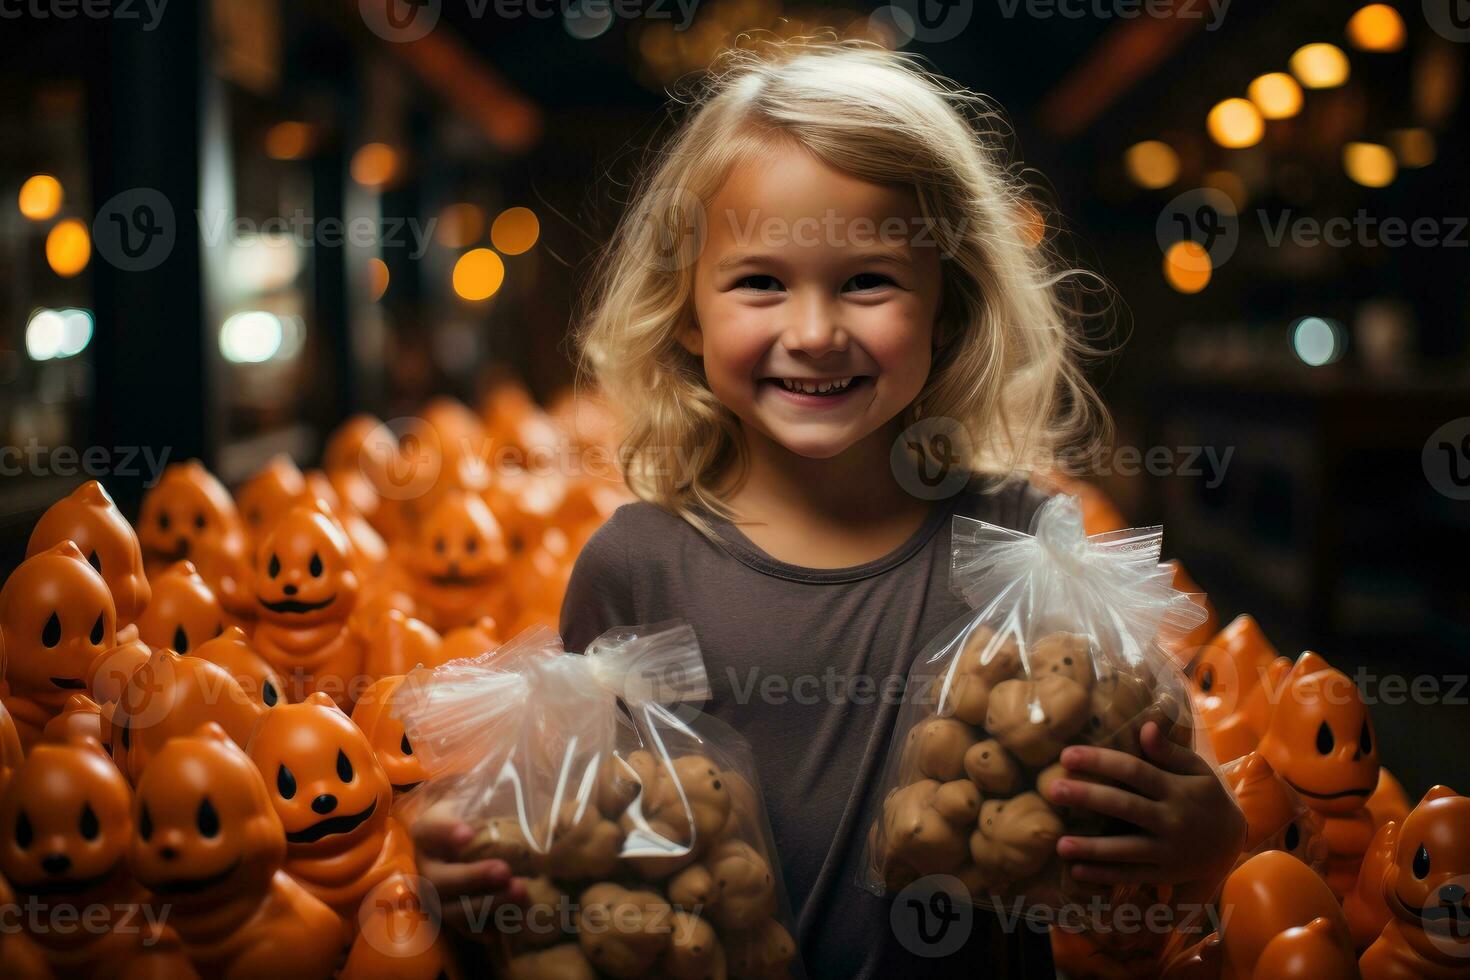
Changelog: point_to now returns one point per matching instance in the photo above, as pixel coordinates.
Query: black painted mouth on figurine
(70, 683)
(192, 886)
(332, 825)
(296, 606)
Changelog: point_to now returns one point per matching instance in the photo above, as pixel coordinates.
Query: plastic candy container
(1061, 649)
(636, 821)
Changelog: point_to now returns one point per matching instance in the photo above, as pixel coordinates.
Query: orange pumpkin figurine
(356, 460)
(266, 496)
(56, 619)
(80, 717)
(184, 612)
(372, 549)
(1233, 683)
(333, 799)
(232, 651)
(188, 514)
(398, 643)
(65, 822)
(306, 587)
(1275, 817)
(210, 844)
(109, 673)
(20, 957)
(11, 752)
(173, 695)
(1389, 801)
(390, 743)
(1320, 741)
(471, 641)
(1421, 893)
(400, 940)
(458, 561)
(88, 518)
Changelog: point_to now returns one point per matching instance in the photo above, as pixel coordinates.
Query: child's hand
(468, 890)
(1190, 828)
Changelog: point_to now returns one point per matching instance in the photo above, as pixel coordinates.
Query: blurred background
(225, 225)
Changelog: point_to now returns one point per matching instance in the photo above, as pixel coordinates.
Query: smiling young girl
(828, 267)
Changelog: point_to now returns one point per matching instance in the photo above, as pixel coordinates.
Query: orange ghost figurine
(210, 844)
(184, 611)
(385, 732)
(471, 641)
(334, 801)
(268, 494)
(65, 822)
(109, 673)
(233, 652)
(1234, 683)
(173, 695)
(80, 717)
(372, 550)
(356, 461)
(188, 514)
(88, 518)
(56, 619)
(1423, 889)
(1320, 741)
(400, 940)
(398, 643)
(1389, 801)
(458, 562)
(306, 588)
(1275, 817)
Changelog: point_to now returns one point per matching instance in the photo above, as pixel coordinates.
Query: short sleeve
(599, 595)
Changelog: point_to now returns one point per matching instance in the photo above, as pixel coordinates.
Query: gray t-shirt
(799, 660)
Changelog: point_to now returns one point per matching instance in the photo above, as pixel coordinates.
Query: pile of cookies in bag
(635, 820)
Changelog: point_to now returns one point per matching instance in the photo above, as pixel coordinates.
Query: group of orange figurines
(1340, 877)
(197, 757)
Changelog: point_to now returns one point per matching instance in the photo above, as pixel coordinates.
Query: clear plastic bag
(1062, 647)
(636, 820)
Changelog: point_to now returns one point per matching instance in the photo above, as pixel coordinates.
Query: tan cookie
(585, 844)
(1014, 838)
(1067, 654)
(991, 768)
(564, 962)
(985, 661)
(623, 933)
(1035, 719)
(925, 825)
(694, 951)
(935, 748)
(759, 953)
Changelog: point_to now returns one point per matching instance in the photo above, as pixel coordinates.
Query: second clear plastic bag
(1061, 648)
(635, 819)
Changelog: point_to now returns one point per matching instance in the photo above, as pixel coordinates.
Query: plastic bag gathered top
(1061, 648)
(635, 819)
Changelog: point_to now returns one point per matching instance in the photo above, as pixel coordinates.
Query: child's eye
(868, 280)
(760, 283)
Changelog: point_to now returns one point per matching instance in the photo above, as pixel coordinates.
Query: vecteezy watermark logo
(401, 916)
(673, 218)
(1449, 18)
(150, 12)
(402, 458)
(135, 230)
(1204, 216)
(1446, 920)
(400, 21)
(1212, 12)
(1446, 459)
(933, 917)
(930, 458)
(930, 21)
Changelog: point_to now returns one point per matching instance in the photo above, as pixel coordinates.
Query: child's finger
(1117, 766)
(1116, 874)
(1110, 801)
(1129, 849)
(1171, 755)
(442, 838)
(452, 878)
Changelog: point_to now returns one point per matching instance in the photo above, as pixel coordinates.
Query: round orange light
(515, 230)
(375, 165)
(1276, 94)
(40, 197)
(478, 274)
(68, 248)
(1235, 123)
(1376, 27)
(1187, 266)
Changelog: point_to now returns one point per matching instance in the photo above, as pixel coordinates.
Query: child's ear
(691, 338)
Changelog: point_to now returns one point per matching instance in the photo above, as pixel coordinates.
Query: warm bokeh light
(68, 248)
(1235, 123)
(1228, 182)
(1414, 148)
(375, 165)
(289, 140)
(478, 274)
(460, 225)
(1319, 65)
(377, 278)
(1376, 27)
(1152, 164)
(1187, 266)
(1277, 95)
(40, 197)
(515, 230)
(1369, 164)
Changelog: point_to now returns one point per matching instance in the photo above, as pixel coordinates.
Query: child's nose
(814, 328)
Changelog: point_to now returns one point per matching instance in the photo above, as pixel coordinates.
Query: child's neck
(824, 513)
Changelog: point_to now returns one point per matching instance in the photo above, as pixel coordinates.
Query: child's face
(813, 278)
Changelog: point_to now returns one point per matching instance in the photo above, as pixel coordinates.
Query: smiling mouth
(405, 787)
(297, 606)
(61, 886)
(191, 886)
(179, 552)
(70, 683)
(332, 825)
(456, 580)
(1340, 794)
(1457, 917)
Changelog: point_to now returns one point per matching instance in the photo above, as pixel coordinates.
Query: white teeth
(827, 387)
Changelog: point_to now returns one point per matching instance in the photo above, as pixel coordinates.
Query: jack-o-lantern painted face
(304, 570)
(184, 611)
(203, 823)
(266, 497)
(233, 652)
(57, 617)
(184, 512)
(373, 714)
(1233, 663)
(65, 820)
(173, 695)
(89, 518)
(1320, 739)
(460, 544)
(322, 776)
(1432, 870)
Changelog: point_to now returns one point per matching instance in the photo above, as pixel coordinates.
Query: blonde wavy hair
(1007, 365)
